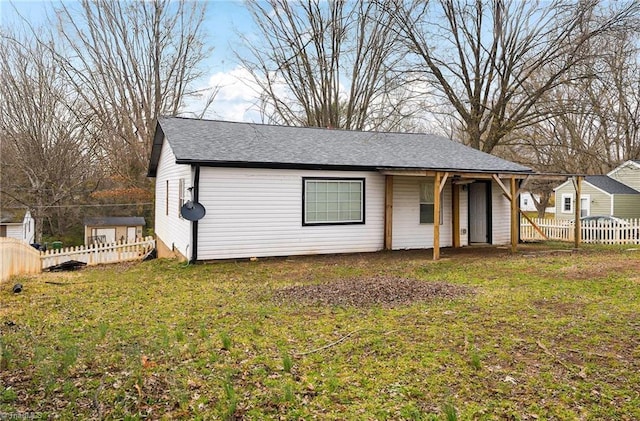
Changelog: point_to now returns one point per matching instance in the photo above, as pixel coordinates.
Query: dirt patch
(377, 291)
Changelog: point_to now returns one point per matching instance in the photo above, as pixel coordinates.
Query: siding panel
(171, 229)
(408, 232)
(500, 216)
(258, 212)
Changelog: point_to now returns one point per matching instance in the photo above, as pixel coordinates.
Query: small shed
(112, 229)
(17, 224)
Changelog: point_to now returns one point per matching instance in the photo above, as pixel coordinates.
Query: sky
(225, 18)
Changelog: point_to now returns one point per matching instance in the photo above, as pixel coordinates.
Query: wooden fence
(17, 257)
(626, 231)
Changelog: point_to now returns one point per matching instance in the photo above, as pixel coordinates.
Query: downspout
(194, 224)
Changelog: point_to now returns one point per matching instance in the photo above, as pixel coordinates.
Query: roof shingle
(211, 142)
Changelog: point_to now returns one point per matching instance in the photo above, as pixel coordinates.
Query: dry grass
(481, 334)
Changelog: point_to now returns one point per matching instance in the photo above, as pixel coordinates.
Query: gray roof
(113, 221)
(221, 143)
(609, 185)
(12, 217)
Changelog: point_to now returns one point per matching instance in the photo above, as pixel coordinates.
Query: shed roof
(112, 221)
(609, 185)
(221, 143)
(15, 216)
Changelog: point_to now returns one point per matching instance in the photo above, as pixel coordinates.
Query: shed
(277, 191)
(111, 229)
(18, 224)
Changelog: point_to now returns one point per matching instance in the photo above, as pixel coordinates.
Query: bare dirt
(376, 291)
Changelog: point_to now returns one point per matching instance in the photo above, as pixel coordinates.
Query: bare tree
(46, 159)
(329, 64)
(482, 55)
(130, 62)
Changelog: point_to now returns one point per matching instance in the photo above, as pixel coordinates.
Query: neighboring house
(599, 195)
(526, 202)
(19, 225)
(278, 191)
(112, 229)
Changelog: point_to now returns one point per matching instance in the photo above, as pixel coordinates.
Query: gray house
(278, 191)
(600, 195)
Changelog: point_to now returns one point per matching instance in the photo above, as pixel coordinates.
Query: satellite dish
(192, 211)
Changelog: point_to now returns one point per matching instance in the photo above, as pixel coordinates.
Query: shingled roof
(609, 185)
(221, 143)
(115, 221)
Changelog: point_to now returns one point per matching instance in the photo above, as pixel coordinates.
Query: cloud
(235, 97)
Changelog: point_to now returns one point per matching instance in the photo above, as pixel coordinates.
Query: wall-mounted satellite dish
(192, 211)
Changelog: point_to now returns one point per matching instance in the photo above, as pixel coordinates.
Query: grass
(547, 335)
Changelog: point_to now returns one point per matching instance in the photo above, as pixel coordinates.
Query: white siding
(15, 231)
(258, 212)
(627, 173)
(408, 232)
(464, 216)
(500, 216)
(174, 231)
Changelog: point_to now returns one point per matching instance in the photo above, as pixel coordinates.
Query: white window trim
(564, 196)
(430, 203)
(305, 183)
(588, 207)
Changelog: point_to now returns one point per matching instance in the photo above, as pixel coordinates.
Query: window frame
(362, 182)
(182, 195)
(420, 203)
(563, 197)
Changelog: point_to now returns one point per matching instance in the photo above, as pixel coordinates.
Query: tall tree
(481, 56)
(328, 64)
(130, 62)
(46, 159)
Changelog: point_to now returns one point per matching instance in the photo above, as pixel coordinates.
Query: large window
(332, 201)
(427, 201)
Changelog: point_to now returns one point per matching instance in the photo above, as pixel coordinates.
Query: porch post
(578, 231)
(456, 214)
(515, 223)
(388, 212)
(436, 216)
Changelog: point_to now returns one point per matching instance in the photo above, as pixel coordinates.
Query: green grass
(547, 335)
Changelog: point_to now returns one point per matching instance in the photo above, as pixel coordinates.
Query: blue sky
(225, 18)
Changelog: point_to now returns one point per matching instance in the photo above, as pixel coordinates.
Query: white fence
(626, 231)
(99, 253)
(18, 258)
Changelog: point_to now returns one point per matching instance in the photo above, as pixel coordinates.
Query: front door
(131, 234)
(479, 227)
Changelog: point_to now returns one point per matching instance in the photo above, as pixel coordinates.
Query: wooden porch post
(515, 223)
(578, 231)
(436, 217)
(456, 215)
(388, 212)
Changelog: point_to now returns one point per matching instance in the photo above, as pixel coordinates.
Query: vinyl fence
(626, 231)
(100, 253)
(18, 257)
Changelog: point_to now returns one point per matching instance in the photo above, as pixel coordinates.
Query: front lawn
(483, 334)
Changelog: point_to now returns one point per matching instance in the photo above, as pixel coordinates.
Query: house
(19, 225)
(111, 229)
(527, 203)
(613, 194)
(278, 191)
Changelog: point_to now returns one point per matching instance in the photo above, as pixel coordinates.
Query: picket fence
(19, 257)
(600, 232)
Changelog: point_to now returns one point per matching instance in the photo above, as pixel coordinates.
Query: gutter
(194, 224)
